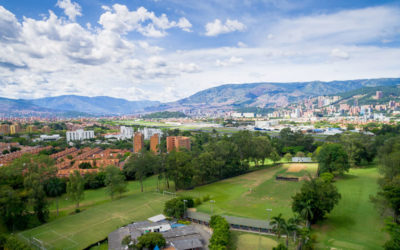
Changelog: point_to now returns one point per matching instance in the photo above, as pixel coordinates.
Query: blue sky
(168, 49)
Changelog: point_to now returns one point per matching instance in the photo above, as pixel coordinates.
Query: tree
(85, 165)
(315, 199)
(75, 188)
(180, 169)
(288, 157)
(176, 207)
(142, 165)
(394, 231)
(278, 224)
(333, 158)
(280, 247)
(13, 208)
(115, 181)
(275, 157)
(151, 240)
(55, 188)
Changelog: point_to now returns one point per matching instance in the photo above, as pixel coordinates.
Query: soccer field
(94, 224)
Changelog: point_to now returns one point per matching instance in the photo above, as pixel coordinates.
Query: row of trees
(27, 184)
(221, 234)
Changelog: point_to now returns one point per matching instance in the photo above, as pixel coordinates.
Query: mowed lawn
(354, 223)
(80, 230)
(244, 241)
(94, 197)
(249, 195)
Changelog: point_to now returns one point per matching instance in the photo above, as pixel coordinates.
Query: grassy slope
(100, 196)
(100, 215)
(354, 223)
(250, 194)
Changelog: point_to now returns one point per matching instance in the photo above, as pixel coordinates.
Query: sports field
(94, 224)
(251, 194)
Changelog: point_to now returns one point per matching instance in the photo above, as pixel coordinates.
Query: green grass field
(251, 194)
(354, 223)
(243, 241)
(94, 224)
(99, 196)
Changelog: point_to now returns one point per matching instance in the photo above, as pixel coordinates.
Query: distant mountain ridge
(94, 105)
(72, 105)
(228, 96)
(267, 94)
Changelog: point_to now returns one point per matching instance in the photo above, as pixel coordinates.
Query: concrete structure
(46, 130)
(149, 132)
(301, 159)
(49, 137)
(154, 142)
(378, 95)
(176, 142)
(138, 142)
(79, 135)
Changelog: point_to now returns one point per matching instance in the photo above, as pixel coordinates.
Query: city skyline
(167, 50)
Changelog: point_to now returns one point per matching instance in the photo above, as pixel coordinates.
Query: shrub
(221, 234)
(150, 240)
(206, 198)
(197, 202)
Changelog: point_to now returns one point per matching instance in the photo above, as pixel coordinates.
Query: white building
(149, 132)
(126, 132)
(79, 135)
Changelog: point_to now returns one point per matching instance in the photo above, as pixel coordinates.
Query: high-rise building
(154, 142)
(138, 142)
(79, 135)
(126, 132)
(149, 132)
(4, 129)
(176, 142)
(378, 95)
(13, 129)
(31, 129)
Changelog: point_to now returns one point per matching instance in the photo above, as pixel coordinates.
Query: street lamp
(269, 210)
(184, 208)
(211, 204)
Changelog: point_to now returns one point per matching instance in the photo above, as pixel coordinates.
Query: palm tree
(306, 212)
(293, 227)
(278, 225)
(55, 189)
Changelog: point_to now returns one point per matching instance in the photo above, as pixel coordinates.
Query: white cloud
(228, 62)
(344, 27)
(120, 20)
(338, 53)
(217, 27)
(71, 9)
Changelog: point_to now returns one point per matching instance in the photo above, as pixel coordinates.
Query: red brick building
(154, 142)
(138, 142)
(176, 142)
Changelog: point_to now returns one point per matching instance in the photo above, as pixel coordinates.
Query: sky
(165, 50)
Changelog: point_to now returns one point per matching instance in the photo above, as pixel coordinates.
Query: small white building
(79, 135)
(301, 159)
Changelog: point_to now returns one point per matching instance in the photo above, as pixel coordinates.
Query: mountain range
(228, 96)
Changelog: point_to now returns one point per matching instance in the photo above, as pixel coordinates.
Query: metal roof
(187, 244)
(233, 220)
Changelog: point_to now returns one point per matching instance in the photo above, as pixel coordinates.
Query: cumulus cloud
(120, 20)
(71, 9)
(217, 27)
